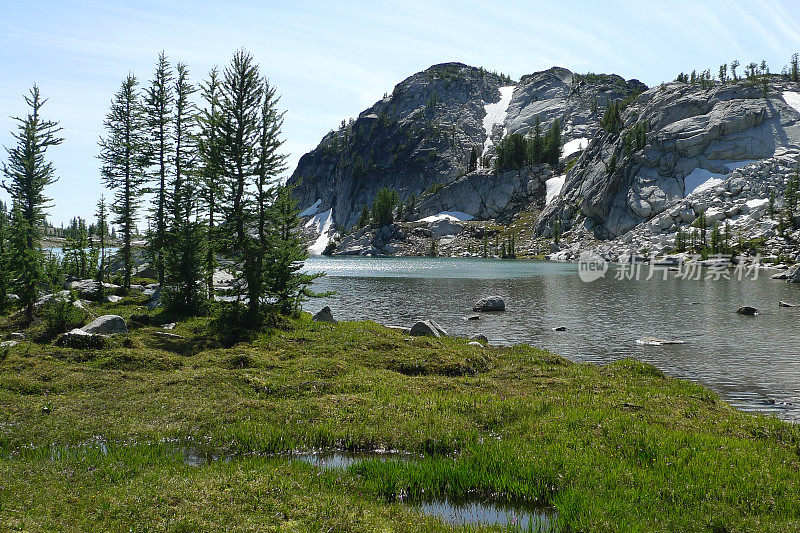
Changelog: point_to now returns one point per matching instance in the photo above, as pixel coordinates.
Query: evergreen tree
(4, 271)
(211, 153)
(535, 146)
(612, 118)
(473, 160)
(734, 66)
(511, 153)
(159, 103)
(270, 164)
(795, 69)
(383, 207)
(76, 257)
(244, 171)
(28, 173)
(723, 73)
(102, 231)
(552, 143)
(287, 286)
(124, 153)
(183, 292)
(363, 220)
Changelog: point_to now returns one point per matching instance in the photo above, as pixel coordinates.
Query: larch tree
(125, 154)
(211, 162)
(102, 230)
(242, 97)
(183, 292)
(270, 164)
(286, 284)
(26, 175)
(159, 101)
(4, 273)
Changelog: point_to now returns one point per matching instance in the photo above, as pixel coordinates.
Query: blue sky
(330, 60)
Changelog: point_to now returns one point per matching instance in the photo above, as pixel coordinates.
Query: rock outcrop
(696, 139)
(624, 188)
(418, 139)
(427, 328)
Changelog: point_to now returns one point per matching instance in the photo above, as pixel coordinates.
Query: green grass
(611, 448)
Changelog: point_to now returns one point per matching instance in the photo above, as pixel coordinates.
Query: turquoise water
(754, 362)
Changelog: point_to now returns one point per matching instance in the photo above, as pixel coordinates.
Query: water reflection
(754, 362)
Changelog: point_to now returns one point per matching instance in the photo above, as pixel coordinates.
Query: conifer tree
(184, 258)
(734, 65)
(473, 160)
(535, 144)
(4, 272)
(102, 230)
(159, 102)
(363, 220)
(383, 207)
(795, 68)
(210, 151)
(552, 143)
(270, 164)
(287, 286)
(76, 257)
(26, 174)
(242, 98)
(124, 153)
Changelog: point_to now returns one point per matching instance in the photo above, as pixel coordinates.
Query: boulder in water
(747, 310)
(793, 274)
(655, 341)
(490, 303)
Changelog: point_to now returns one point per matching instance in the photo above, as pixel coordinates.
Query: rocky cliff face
(693, 135)
(418, 139)
(420, 135)
(722, 151)
(677, 150)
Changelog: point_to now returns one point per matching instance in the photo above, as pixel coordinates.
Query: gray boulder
(155, 299)
(89, 289)
(80, 339)
(106, 325)
(480, 337)
(324, 315)
(427, 328)
(8, 344)
(793, 274)
(747, 310)
(490, 303)
(786, 304)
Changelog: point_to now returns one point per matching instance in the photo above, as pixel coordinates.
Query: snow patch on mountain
(453, 216)
(553, 188)
(496, 115)
(311, 211)
(793, 99)
(322, 222)
(573, 146)
(700, 180)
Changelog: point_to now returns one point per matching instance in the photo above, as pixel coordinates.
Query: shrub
(61, 315)
(232, 323)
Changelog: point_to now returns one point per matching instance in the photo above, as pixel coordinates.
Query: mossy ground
(611, 448)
